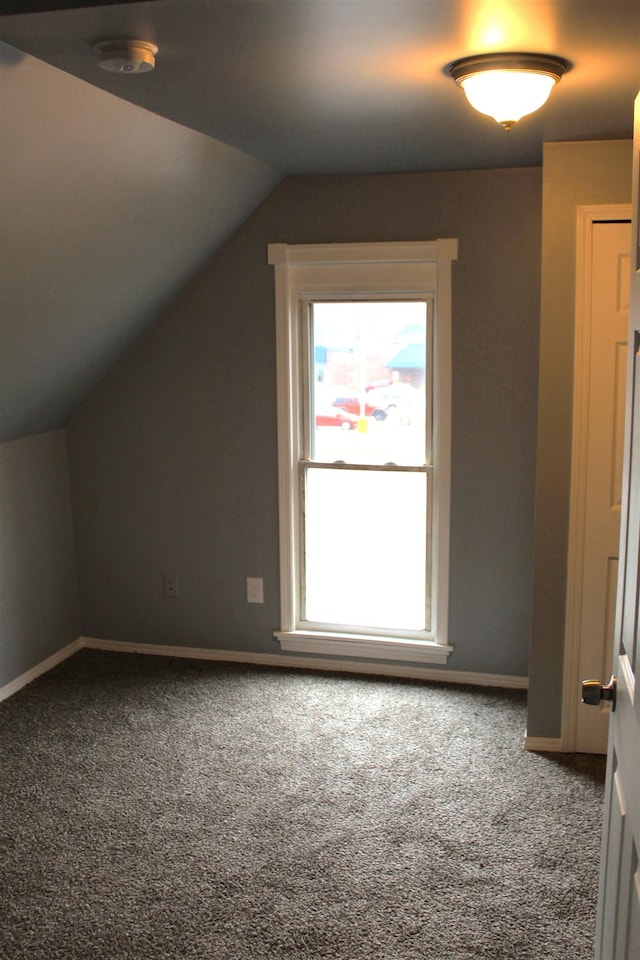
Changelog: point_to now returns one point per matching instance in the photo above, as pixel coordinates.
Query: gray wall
(173, 461)
(574, 174)
(38, 591)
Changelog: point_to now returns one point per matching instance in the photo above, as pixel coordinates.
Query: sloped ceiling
(106, 211)
(114, 190)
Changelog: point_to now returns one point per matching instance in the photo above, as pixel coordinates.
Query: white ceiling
(336, 86)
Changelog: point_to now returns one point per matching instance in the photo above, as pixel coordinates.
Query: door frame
(587, 216)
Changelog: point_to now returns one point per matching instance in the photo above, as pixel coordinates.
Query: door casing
(586, 217)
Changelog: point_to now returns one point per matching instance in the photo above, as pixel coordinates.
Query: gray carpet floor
(154, 808)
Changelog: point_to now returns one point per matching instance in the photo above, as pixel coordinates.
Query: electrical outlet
(171, 585)
(255, 590)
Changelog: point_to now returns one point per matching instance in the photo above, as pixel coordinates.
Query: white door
(618, 925)
(608, 320)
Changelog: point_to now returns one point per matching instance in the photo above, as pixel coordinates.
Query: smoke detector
(127, 56)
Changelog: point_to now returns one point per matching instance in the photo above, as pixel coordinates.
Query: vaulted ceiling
(115, 189)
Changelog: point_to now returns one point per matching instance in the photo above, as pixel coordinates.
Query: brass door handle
(593, 692)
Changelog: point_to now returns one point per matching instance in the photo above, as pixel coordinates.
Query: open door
(602, 329)
(618, 924)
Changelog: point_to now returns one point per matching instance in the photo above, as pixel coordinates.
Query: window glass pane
(365, 548)
(369, 375)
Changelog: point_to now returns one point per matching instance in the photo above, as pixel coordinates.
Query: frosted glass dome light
(508, 86)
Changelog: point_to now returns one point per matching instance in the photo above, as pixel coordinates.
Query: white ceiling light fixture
(127, 56)
(508, 86)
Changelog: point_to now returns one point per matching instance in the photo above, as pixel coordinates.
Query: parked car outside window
(335, 417)
(351, 404)
(398, 399)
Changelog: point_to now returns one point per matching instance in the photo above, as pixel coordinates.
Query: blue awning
(411, 357)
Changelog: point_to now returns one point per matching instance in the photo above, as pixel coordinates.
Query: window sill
(365, 646)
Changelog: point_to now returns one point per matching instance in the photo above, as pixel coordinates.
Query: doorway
(602, 307)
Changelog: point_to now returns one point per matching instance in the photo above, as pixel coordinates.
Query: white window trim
(303, 271)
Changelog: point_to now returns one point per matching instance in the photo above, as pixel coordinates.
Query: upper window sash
(306, 340)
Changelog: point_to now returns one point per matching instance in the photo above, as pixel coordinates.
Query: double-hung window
(364, 414)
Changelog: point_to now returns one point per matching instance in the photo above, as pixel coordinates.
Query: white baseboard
(275, 660)
(544, 744)
(10, 688)
(310, 663)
